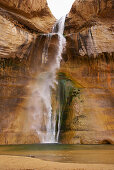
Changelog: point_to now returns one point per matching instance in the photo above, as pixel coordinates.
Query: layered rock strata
(21, 22)
(89, 63)
(18, 81)
(85, 14)
(34, 15)
(88, 116)
(85, 79)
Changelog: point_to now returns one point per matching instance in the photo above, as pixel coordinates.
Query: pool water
(63, 153)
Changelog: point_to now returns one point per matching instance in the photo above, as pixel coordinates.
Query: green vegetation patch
(66, 92)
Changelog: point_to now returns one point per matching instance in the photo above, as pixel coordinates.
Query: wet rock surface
(85, 79)
(19, 78)
(90, 114)
(89, 62)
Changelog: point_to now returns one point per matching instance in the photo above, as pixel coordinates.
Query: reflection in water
(63, 153)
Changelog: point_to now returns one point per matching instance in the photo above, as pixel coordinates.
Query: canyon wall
(89, 63)
(85, 80)
(85, 14)
(21, 26)
(21, 81)
(88, 116)
(34, 15)
(20, 23)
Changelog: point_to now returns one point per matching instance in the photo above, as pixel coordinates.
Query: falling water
(59, 26)
(44, 121)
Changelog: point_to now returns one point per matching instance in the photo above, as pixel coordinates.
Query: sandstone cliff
(32, 14)
(85, 14)
(89, 62)
(85, 78)
(20, 22)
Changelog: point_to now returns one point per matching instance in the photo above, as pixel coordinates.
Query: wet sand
(56, 157)
(27, 163)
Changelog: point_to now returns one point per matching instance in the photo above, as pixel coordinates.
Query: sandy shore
(27, 163)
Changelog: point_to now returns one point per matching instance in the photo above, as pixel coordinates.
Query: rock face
(91, 27)
(20, 25)
(85, 14)
(85, 91)
(88, 118)
(20, 22)
(19, 97)
(14, 40)
(89, 63)
(33, 14)
(29, 7)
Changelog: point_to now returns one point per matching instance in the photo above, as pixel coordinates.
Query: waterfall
(59, 26)
(43, 120)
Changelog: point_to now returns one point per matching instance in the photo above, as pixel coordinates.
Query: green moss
(66, 92)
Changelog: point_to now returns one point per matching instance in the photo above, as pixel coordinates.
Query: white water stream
(44, 121)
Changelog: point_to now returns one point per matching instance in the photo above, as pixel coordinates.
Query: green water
(63, 153)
